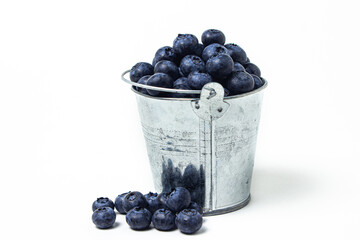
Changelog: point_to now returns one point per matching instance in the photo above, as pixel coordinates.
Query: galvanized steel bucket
(206, 145)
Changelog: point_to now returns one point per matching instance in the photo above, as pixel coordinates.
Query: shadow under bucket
(206, 145)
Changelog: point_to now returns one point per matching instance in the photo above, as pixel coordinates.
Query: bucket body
(206, 145)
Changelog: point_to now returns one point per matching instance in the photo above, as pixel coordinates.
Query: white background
(70, 131)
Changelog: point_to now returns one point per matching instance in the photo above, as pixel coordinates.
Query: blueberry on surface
(104, 217)
(191, 63)
(139, 70)
(170, 68)
(134, 199)
(199, 49)
(212, 36)
(153, 202)
(220, 66)
(194, 205)
(185, 44)
(252, 69)
(197, 80)
(238, 67)
(143, 80)
(240, 82)
(188, 221)
(138, 218)
(236, 53)
(163, 220)
(102, 202)
(213, 50)
(258, 82)
(119, 202)
(163, 198)
(165, 53)
(178, 199)
(159, 80)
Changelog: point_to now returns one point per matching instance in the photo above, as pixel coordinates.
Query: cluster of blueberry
(166, 211)
(190, 65)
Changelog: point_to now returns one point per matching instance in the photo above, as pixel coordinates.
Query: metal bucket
(206, 145)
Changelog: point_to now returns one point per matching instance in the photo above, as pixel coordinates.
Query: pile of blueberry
(165, 211)
(190, 65)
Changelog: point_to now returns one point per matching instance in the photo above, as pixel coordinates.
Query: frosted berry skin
(138, 218)
(139, 70)
(104, 217)
(213, 50)
(191, 63)
(119, 201)
(185, 44)
(252, 69)
(178, 199)
(240, 82)
(165, 53)
(188, 221)
(213, 36)
(167, 67)
(236, 53)
(159, 80)
(163, 220)
(134, 199)
(197, 80)
(238, 67)
(102, 202)
(153, 202)
(220, 66)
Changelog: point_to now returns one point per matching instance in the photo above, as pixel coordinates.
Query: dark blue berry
(199, 49)
(181, 81)
(104, 217)
(159, 80)
(197, 80)
(240, 82)
(194, 205)
(163, 220)
(252, 69)
(134, 199)
(258, 82)
(119, 202)
(139, 70)
(212, 36)
(138, 218)
(188, 221)
(170, 68)
(102, 202)
(185, 44)
(237, 53)
(191, 63)
(178, 199)
(238, 67)
(153, 202)
(143, 80)
(247, 60)
(165, 53)
(220, 66)
(213, 50)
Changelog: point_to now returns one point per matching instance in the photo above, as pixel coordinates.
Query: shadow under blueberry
(116, 224)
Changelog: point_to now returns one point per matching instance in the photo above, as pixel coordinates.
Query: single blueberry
(143, 80)
(212, 36)
(163, 220)
(178, 199)
(197, 80)
(102, 202)
(237, 53)
(191, 63)
(159, 80)
(258, 82)
(163, 198)
(185, 44)
(237, 67)
(165, 53)
(181, 81)
(170, 68)
(138, 218)
(194, 205)
(240, 82)
(213, 50)
(139, 70)
(104, 217)
(188, 221)
(153, 202)
(220, 66)
(252, 69)
(119, 203)
(199, 49)
(134, 199)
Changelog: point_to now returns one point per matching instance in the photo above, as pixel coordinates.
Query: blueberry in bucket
(213, 36)
(191, 63)
(197, 80)
(185, 44)
(213, 50)
(170, 68)
(139, 70)
(220, 66)
(237, 53)
(159, 80)
(143, 81)
(252, 69)
(165, 53)
(240, 82)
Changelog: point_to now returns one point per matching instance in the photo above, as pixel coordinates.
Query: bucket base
(228, 209)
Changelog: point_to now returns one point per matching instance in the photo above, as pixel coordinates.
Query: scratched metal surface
(212, 157)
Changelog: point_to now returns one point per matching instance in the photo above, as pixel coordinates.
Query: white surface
(69, 128)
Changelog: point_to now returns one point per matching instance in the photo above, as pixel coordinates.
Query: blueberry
(165, 53)
(247, 60)
(143, 80)
(252, 69)
(220, 66)
(188, 221)
(159, 80)
(181, 81)
(199, 49)
(138, 218)
(119, 203)
(178, 199)
(197, 80)
(170, 68)
(240, 82)
(163, 220)
(102, 202)
(163, 198)
(194, 205)
(104, 217)
(212, 36)
(237, 67)
(237, 53)
(185, 44)
(134, 199)
(141, 69)
(191, 63)
(153, 202)
(213, 50)
(258, 82)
